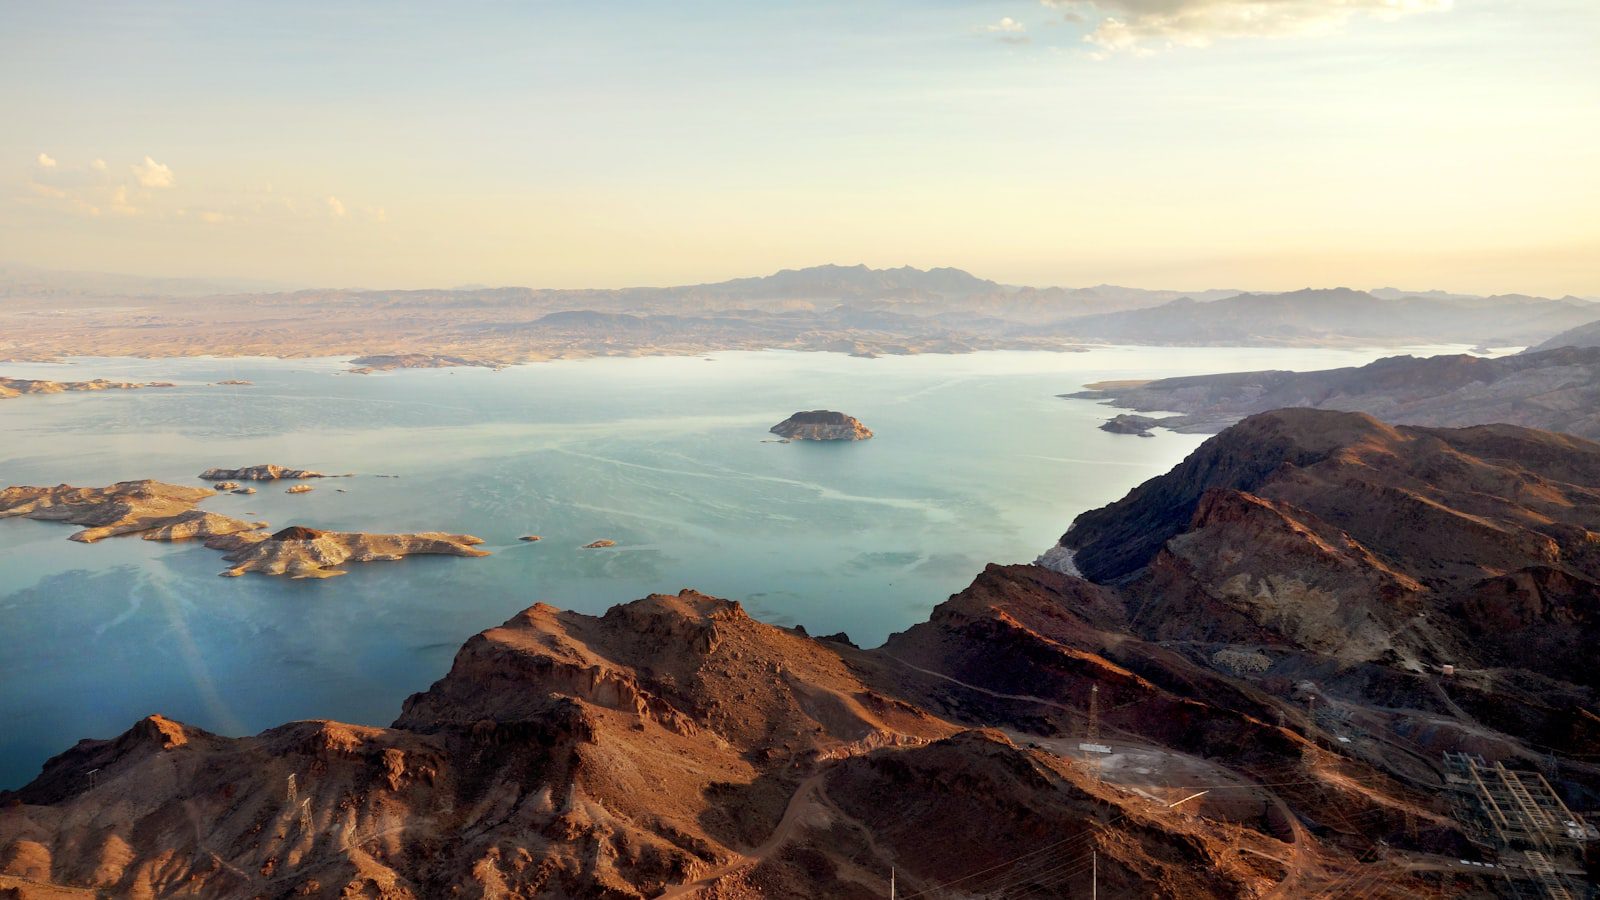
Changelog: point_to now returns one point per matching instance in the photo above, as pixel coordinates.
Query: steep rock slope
(1385, 552)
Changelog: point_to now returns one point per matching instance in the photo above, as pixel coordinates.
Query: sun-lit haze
(1157, 143)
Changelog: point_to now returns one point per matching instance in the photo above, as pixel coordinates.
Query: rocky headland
(821, 425)
(1259, 643)
(1556, 390)
(168, 512)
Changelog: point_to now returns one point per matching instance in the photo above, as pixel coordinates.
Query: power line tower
(1093, 732)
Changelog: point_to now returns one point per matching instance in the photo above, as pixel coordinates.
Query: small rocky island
(822, 425)
(366, 365)
(1130, 424)
(158, 511)
(263, 472)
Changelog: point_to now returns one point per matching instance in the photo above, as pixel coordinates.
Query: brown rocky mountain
(1556, 390)
(675, 746)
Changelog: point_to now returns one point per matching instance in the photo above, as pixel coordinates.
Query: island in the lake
(158, 511)
(822, 425)
(16, 387)
(263, 472)
(1129, 424)
(366, 365)
(301, 552)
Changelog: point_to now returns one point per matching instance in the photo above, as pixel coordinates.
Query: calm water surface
(975, 460)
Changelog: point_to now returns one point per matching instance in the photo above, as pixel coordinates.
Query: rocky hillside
(1556, 390)
(1581, 336)
(1344, 541)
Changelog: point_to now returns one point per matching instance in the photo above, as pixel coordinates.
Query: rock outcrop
(821, 425)
(168, 512)
(127, 507)
(366, 365)
(1126, 424)
(263, 472)
(16, 387)
(300, 552)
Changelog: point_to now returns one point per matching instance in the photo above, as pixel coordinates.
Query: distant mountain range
(852, 309)
(1338, 315)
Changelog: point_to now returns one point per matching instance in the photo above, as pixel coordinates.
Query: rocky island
(168, 512)
(366, 365)
(301, 552)
(263, 472)
(821, 425)
(16, 387)
(127, 507)
(1127, 424)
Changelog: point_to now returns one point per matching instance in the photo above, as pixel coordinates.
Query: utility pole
(1094, 876)
(891, 883)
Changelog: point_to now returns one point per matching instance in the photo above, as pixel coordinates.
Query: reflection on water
(975, 460)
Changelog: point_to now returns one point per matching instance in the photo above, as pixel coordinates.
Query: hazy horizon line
(243, 284)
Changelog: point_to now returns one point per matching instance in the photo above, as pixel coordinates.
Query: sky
(1252, 144)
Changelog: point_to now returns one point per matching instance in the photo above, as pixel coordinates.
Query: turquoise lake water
(975, 460)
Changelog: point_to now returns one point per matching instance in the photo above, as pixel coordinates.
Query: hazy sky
(1257, 144)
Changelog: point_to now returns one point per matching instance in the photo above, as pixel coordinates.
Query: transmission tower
(1093, 733)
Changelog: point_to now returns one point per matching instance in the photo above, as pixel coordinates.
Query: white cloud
(1145, 25)
(152, 174)
(98, 165)
(1008, 25)
(120, 204)
(335, 207)
(46, 161)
